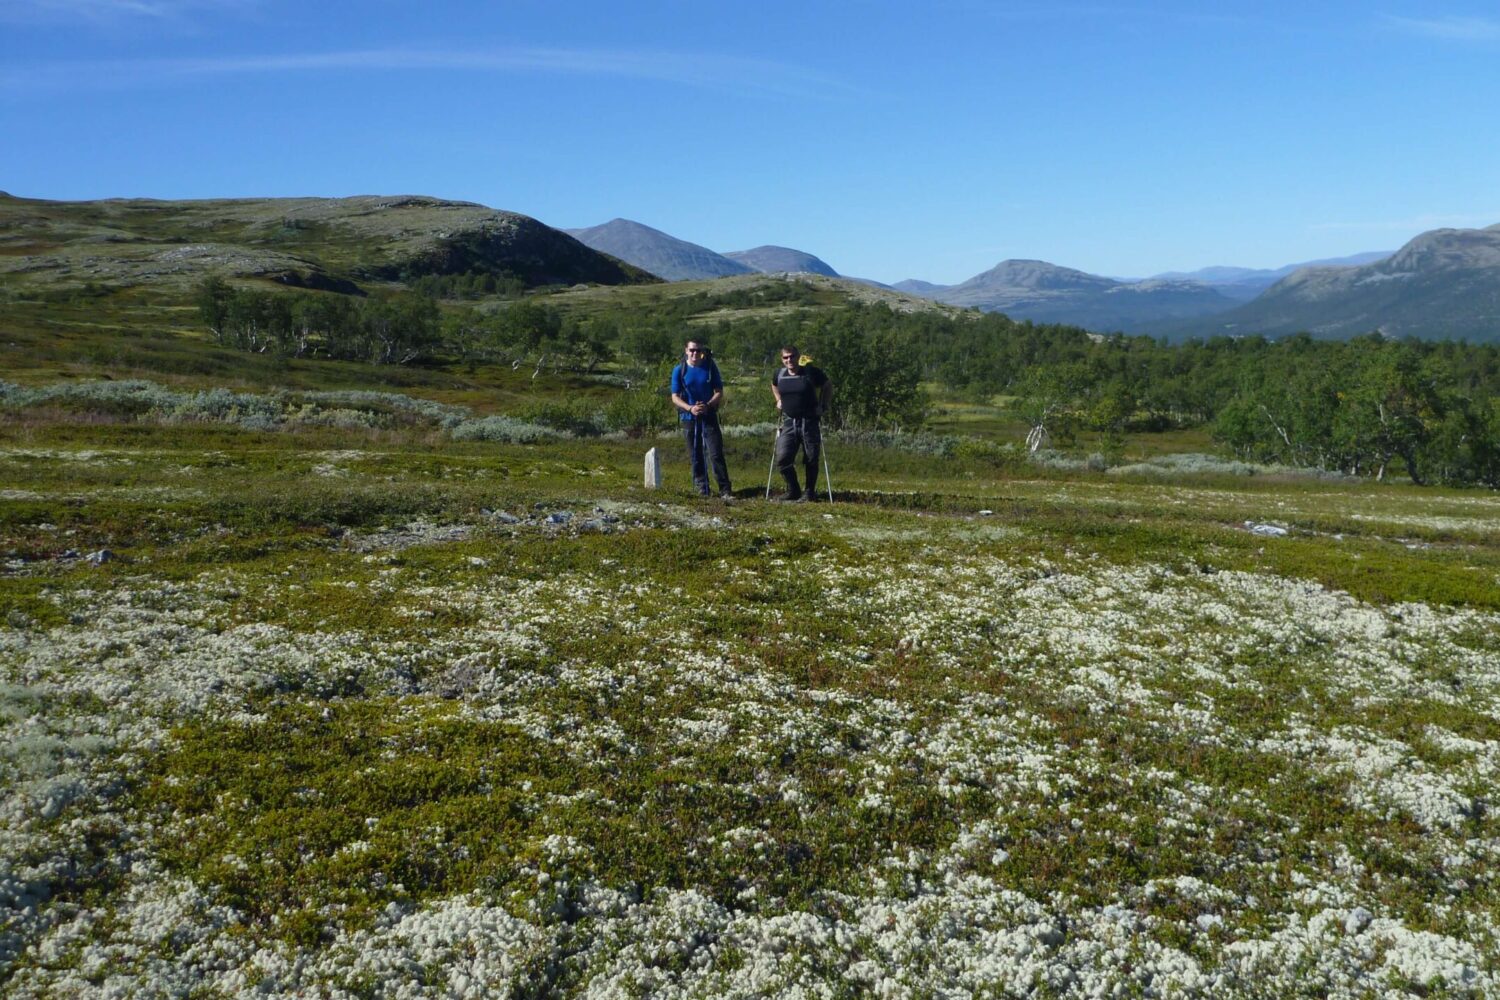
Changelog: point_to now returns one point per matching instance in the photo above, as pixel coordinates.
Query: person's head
(696, 352)
(790, 356)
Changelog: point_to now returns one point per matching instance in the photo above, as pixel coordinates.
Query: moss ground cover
(347, 713)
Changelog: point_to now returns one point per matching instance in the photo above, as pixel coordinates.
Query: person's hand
(778, 404)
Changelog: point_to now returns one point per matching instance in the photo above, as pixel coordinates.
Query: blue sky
(894, 140)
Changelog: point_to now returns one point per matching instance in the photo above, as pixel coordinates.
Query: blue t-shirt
(695, 384)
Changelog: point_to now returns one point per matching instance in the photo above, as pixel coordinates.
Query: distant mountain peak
(1050, 293)
(916, 286)
(1035, 275)
(774, 260)
(655, 251)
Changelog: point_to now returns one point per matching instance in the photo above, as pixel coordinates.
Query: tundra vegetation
(321, 676)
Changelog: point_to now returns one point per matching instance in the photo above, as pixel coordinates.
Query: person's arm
(775, 391)
(716, 386)
(677, 389)
(825, 395)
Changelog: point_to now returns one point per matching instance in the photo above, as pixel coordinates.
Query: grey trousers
(799, 434)
(705, 447)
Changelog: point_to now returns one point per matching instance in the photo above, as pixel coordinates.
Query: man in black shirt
(802, 393)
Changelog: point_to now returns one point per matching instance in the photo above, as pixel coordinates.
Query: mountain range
(1046, 293)
(1247, 282)
(1175, 303)
(1441, 284)
(1023, 289)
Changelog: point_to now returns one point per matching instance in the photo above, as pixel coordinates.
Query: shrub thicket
(1359, 407)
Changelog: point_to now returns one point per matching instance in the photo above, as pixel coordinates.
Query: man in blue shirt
(697, 392)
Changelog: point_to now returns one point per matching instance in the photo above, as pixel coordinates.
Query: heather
(359, 708)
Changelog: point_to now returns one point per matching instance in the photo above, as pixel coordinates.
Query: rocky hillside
(1443, 284)
(332, 243)
(654, 251)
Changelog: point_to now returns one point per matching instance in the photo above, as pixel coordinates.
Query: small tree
(877, 381)
(1047, 400)
(647, 344)
(401, 329)
(1110, 408)
(464, 333)
(212, 298)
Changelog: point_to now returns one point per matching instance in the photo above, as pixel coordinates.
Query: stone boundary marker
(653, 470)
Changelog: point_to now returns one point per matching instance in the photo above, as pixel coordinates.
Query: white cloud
(707, 71)
(1450, 27)
(106, 10)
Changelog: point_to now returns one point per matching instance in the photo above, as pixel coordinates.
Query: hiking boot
(802, 498)
(811, 496)
(726, 494)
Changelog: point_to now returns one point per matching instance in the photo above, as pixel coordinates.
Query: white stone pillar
(653, 470)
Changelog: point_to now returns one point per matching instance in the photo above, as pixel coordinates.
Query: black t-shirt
(799, 392)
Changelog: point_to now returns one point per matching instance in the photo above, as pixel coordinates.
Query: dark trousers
(705, 444)
(799, 433)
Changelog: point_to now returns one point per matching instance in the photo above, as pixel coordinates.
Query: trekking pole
(770, 471)
(698, 453)
(827, 476)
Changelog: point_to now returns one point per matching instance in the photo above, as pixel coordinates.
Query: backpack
(713, 366)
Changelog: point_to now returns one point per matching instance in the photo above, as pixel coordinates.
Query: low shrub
(1194, 463)
(393, 402)
(761, 430)
(576, 417)
(1059, 461)
(505, 429)
(638, 411)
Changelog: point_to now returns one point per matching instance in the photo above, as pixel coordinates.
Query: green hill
(336, 244)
